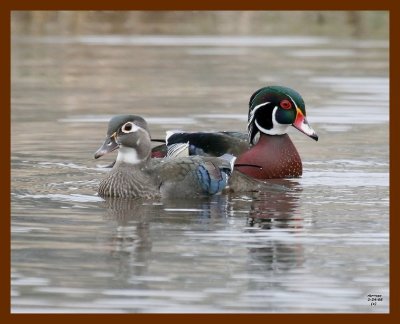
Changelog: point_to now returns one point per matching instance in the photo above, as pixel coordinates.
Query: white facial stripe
(277, 129)
(253, 112)
(128, 155)
(295, 104)
(260, 105)
(262, 130)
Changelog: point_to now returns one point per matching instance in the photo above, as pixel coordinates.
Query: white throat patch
(277, 129)
(253, 112)
(128, 155)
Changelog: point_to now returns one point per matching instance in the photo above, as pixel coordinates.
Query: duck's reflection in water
(128, 239)
(142, 233)
(276, 209)
(277, 215)
(142, 224)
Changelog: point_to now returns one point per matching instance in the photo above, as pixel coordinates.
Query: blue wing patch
(211, 178)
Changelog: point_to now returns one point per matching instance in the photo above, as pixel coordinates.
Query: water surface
(321, 246)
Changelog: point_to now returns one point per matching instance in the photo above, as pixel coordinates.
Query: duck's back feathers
(211, 143)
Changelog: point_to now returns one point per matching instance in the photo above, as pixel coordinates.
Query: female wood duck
(136, 175)
(272, 110)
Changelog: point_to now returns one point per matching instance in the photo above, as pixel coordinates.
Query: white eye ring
(129, 127)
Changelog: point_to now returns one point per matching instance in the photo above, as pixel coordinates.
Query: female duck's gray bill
(108, 146)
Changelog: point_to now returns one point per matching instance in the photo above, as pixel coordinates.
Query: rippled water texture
(320, 246)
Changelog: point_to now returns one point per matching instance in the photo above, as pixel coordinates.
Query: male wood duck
(136, 175)
(272, 110)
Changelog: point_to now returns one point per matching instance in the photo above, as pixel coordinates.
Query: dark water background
(321, 247)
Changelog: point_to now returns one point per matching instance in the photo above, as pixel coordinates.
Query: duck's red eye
(286, 104)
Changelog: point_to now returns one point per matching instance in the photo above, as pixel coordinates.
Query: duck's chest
(271, 158)
(126, 182)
